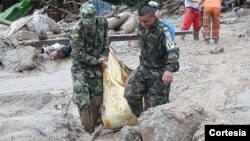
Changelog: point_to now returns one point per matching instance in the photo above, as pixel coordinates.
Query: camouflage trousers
(88, 98)
(154, 92)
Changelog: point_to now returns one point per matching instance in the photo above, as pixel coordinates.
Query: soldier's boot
(196, 36)
(95, 108)
(86, 120)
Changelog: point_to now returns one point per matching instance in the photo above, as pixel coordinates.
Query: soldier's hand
(104, 58)
(103, 66)
(54, 55)
(167, 77)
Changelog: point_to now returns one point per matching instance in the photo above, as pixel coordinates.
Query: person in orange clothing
(211, 14)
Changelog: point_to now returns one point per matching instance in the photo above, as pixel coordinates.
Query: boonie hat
(88, 13)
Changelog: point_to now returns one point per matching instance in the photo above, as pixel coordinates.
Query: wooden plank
(127, 37)
(40, 43)
(183, 32)
(112, 38)
(123, 37)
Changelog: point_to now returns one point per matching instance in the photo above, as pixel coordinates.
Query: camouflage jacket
(159, 52)
(87, 46)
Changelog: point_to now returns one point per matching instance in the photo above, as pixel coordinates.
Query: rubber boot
(182, 37)
(86, 120)
(95, 108)
(196, 36)
(216, 40)
(207, 40)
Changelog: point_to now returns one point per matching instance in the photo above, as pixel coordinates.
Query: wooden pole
(112, 38)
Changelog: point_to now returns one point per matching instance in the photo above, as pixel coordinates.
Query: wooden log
(5, 22)
(40, 43)
(123, 37)
(112, 38)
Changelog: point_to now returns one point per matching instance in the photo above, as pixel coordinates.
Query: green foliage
(17, 11)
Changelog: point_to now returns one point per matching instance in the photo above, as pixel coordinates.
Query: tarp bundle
(115, 111)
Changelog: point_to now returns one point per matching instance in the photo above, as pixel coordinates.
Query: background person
(211, 19)
(191, 17)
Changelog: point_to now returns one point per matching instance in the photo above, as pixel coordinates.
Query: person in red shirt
(191, 17)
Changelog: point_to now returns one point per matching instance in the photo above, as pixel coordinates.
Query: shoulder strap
(170, 27)
(170, 42)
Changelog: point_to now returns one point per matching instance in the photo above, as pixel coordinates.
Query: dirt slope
(33, 103)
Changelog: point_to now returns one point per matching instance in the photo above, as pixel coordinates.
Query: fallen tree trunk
(5, 22)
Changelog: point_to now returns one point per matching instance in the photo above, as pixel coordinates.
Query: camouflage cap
(88, 13)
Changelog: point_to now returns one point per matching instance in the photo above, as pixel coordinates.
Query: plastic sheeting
(115, 111)
(102, 8)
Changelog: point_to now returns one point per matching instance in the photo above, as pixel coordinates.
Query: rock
(248, 32)
(37, 23)
(20, 59)
(242, 12)
(229, 21)
(239, 107)
(177, 121)
(128, 133)
(41, 23)
(210, 120)
(26, 35)
(216, 50)
(245, 34)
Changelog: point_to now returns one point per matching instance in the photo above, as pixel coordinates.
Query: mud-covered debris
(216, 50)
(17, 60)
(37, 23)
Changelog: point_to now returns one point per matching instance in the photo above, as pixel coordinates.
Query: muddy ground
(33, 103)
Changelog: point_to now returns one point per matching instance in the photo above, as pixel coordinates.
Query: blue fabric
(226, 1)
(102, 8)
(170, 27)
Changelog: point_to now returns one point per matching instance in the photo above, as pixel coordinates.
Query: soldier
(89, 53)
(155, 5)
(158, 61)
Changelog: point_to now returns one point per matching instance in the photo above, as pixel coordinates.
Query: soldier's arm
(66, 50)
(172, 50)
(105, 40)
(81, 56)
(84, 57)
(172, 64)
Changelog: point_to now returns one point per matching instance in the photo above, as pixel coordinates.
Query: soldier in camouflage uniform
(158, 60)
(89, 53)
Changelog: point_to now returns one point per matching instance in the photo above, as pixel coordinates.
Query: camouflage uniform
(87, 47)
(157, 55)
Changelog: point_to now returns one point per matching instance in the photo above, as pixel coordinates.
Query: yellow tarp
(115, 111)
